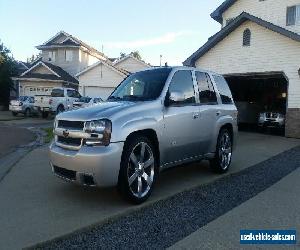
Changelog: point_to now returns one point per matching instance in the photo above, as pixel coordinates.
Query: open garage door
(92, 91)
(258, 93)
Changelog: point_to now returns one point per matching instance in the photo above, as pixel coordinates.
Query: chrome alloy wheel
(140, 170)
(225, 151)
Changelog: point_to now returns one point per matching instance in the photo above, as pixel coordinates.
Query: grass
(49, 135)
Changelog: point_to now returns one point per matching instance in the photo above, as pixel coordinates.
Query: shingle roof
(62, 75)
(75, 42)
(217, 14)
(215, 39)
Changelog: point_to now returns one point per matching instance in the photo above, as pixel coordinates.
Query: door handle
(218, 113)
(196, 115)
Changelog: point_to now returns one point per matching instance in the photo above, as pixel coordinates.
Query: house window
(293, 15)
(51, 56)
(246, 37)
(69, 55)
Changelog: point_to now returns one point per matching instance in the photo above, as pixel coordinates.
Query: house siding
(132, 65)
(273, 11)
(93, 77)
(269, 52)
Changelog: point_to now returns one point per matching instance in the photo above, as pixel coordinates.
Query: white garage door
(98, 92)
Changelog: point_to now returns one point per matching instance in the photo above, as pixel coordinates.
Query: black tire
(223, 156)
(45, 114)
(129, 169)
(14, 113)
(27, 112)
(60, 109)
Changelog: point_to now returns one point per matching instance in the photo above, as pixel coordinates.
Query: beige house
(67, 61)
(62, 56)
(258, 51)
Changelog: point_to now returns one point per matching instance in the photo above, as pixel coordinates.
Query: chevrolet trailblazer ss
(153, 120)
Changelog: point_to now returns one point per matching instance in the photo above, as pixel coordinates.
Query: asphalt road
(12, 137)
(162, 224)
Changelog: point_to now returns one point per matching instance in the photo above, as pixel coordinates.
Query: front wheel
(45, 114)
(60, 109)
(223, 156)
(27, 112)
(14, 113)
(138, 170)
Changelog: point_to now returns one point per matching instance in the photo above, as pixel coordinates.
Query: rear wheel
(138, 170)
(27, 112)
(60, 109)
(45, 114)
(14, 113)
(223, 156)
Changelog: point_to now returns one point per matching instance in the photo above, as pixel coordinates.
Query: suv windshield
(141, 86)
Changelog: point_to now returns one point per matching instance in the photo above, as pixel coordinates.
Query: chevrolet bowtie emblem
(65, 133)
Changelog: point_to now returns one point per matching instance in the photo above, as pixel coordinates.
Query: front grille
(71, 124)
(65, 173)
(274, 115)
(268, 115)
(69, 141)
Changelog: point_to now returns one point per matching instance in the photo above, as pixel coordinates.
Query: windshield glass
(84, 99)
(141, 86)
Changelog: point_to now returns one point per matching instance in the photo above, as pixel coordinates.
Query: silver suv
(155, 119)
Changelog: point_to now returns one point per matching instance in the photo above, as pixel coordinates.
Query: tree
(136, 54)
(33, 58)
(122, 55)
(7, 70)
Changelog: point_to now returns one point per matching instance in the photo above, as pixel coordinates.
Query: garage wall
(271, 10)
(109, 79)
(269, 51)
(37, 88)
(92, 91)
(132, 65)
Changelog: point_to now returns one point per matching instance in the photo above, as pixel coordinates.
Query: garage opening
(261, 100)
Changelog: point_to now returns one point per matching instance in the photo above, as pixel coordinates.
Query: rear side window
(224, 90)
(182, 82)
(207, 93)
(57, 93)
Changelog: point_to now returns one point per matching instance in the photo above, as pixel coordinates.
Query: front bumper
(272, 123)
(15, 108)
(99, 163)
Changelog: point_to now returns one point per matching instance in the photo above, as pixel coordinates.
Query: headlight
(261, 116)
(100, 131)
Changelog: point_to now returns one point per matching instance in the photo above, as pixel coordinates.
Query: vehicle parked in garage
(23, 105)
(155, 119)
(59, 100)
(271, 120)
(84, 102)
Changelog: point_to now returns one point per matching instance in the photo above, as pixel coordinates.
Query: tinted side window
(224, 90)
(182, 82)
(207, 93)
(57, 93)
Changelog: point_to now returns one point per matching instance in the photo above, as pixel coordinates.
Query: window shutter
(291, 16)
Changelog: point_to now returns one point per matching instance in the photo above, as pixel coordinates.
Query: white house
(258, 51)
(101, 78)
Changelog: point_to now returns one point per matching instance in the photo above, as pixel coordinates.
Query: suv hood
(102, 110)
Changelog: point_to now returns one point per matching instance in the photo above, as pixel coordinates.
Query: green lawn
(49, 134)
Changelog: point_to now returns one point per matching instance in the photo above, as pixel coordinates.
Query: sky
(171, 28)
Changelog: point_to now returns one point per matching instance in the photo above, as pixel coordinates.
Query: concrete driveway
(36, 206)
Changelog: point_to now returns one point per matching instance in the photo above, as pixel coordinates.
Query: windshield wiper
(114, 98)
